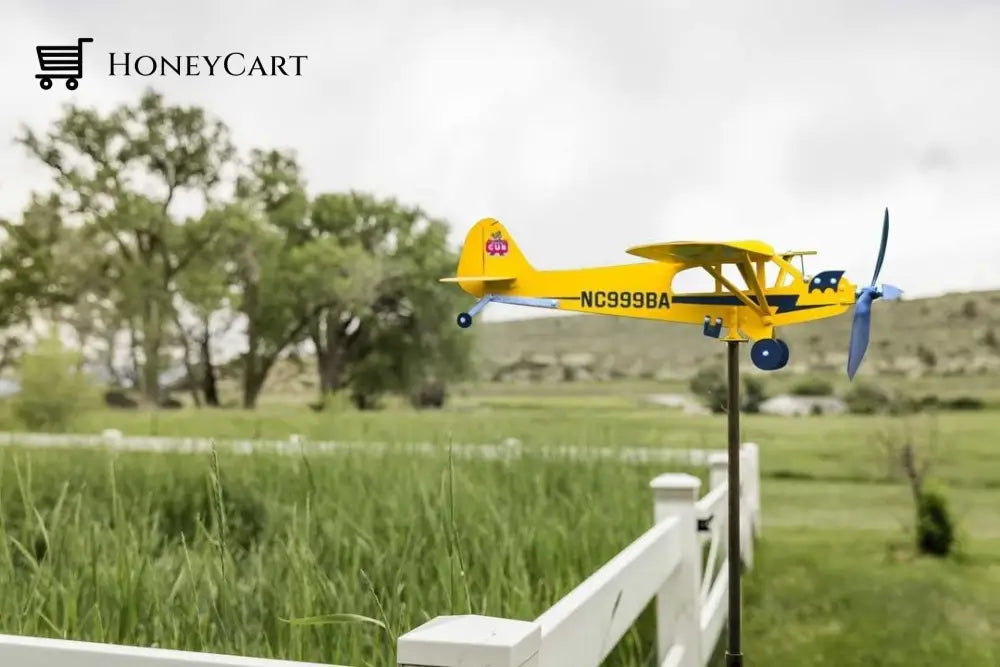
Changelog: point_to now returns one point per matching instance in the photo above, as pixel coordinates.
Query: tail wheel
(464, 320)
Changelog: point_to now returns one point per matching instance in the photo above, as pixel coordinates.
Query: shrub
(990, 339)
(709, 385)
(429, 394)
(813, 387)
(935, 527)
(964, 403)
(925, 403)
(752, 395)
(867, 399)
(970, 309)
(901, 403)
(54, 390)
(926, 356)
(117, 398)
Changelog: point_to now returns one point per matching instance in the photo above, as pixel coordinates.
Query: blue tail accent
(825, 280)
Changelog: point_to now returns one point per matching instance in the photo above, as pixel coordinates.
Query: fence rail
(19, 651)
(296, 444)
(579, 630)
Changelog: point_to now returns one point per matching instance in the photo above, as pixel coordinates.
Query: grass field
(130, 547)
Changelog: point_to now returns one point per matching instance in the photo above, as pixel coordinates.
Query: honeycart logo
(234, 63)
(61, 62)
(66, 62)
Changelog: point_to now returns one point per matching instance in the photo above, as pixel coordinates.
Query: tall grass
(218, 554)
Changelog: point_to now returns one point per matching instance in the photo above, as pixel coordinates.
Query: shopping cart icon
(61, 62)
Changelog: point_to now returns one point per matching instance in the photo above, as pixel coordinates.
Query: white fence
(580, 630)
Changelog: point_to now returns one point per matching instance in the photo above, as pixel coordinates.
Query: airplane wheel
(784, 352)
(464, 320)
(769, 354)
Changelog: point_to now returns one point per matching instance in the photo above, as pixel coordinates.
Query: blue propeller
(861, 324)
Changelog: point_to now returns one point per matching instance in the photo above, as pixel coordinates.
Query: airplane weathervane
(492, 268)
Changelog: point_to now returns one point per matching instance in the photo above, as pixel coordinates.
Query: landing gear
(784, 352)
(464, 320)
(769, 354)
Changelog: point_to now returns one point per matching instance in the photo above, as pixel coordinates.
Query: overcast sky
(588, 127)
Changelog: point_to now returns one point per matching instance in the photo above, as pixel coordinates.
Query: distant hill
(955, 334)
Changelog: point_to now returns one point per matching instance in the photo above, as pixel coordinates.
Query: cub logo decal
(497, 245)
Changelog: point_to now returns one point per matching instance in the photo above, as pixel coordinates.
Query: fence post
(678, 602)
(470, 641)
(718, 469)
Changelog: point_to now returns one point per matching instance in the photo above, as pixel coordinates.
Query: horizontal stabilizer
(478, 279)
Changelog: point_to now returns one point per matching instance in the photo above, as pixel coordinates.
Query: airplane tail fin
(489, 257)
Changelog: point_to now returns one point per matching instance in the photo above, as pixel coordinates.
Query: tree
(206, 296)
(354, 275)
(117, 176)
(350, 274)
(283, 277)
(399, 331)
(43, 270)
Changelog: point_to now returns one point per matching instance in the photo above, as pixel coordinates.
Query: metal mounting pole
(734, 655)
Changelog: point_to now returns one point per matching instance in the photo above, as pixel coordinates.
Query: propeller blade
(890, 292)
(881, 250)
(860, 328)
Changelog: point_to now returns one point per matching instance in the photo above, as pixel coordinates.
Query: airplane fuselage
(644, 291)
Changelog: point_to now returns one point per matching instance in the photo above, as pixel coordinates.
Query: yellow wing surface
(701, 252)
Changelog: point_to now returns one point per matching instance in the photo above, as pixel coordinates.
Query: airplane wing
(710, 255)
(704, 252)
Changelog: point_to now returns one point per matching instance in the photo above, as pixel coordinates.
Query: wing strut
(753, 283)
(760, 309)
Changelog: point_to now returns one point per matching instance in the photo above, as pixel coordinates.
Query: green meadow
(240, 554)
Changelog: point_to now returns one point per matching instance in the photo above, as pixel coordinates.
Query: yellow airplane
(492, 268)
